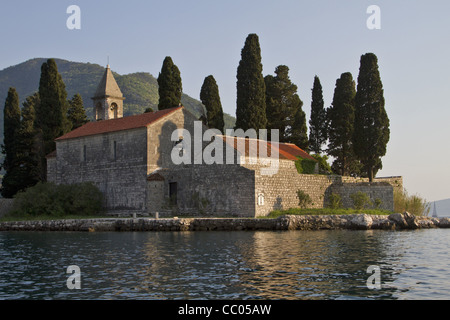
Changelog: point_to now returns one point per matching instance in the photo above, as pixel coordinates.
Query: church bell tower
(108, 99)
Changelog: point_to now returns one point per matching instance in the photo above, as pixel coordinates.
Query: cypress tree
(28, 156)
(371, 132)
(209, 95)
(282, 103)
(51, 113)
(341, 118)
(76, 113)
(11, 121)
(299, 131)
(251, 100)
(169, 85)
(318, 119)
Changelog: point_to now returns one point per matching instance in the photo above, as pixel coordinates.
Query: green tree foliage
(318, 119)
(341, 119)
(324, 166)
(170, 86)
(251, 99)
(28, 159)
(209, 95)
(282, 104)
(49, 199)
(11, 121)
(51, 114)
(299, 131)
(371, 131)
(76, 113)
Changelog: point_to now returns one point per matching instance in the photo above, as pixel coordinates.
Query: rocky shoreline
(396, 221)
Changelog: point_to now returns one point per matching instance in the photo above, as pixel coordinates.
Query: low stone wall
(394, 221)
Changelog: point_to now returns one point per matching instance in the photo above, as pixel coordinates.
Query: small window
(261, 199)
(115, 151)
(84, 153)
(173, 190)
(114, 109)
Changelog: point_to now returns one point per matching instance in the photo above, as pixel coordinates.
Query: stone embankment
(396, 221)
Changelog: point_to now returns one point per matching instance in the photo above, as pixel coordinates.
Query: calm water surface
(226, 265)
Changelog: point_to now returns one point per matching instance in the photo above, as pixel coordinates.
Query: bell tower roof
(108, 86)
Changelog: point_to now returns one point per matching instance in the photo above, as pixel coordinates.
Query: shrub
(305, 166)
(413, 204)
(324, 166)
(360, 200)
(304, 200)
(58, 200)
(377, 203)
(334, 201)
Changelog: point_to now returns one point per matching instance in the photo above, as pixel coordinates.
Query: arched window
(114, 109)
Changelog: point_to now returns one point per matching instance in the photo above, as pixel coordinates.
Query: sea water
(291, 265)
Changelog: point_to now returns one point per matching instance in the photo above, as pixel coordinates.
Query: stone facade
(217, 189)
(242, 190)
(130, 160)
(118, 162)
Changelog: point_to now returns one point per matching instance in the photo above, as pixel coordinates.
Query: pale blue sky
(324, 38)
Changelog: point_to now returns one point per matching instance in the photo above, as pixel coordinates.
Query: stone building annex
(129, 159)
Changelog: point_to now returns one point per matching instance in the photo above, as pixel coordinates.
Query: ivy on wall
(305, 166)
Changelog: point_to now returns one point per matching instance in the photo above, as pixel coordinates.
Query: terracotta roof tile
(125, 123)
(286, 151)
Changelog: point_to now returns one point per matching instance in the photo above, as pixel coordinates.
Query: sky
(323, 37)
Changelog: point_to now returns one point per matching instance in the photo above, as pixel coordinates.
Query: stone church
(130, 160)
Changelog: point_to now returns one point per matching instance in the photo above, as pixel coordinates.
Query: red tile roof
(125, 123)
(286, 151)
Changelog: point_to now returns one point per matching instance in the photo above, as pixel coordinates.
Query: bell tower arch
(108, 99)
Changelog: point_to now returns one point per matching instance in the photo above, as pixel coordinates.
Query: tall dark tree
(209, 95)
(299, 130)
(169, 85)
(76, 113)
(11, 121)
(371, 133)
(251, 99)
(28, 159)
(51, 114)
(341, 118)
(282, 103)
(318, 119)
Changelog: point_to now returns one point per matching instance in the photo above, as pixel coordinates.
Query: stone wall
(279, 191)
(115, 162)
(119, 162)
(218, 190)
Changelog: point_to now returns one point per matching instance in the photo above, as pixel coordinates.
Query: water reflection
(225, 265)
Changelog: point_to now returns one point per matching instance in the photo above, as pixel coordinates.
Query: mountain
(140, 89)
(442, 208)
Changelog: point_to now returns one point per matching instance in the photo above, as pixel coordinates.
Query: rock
(444, 223)
(360, 222)
(404, 220)
(426, 223)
